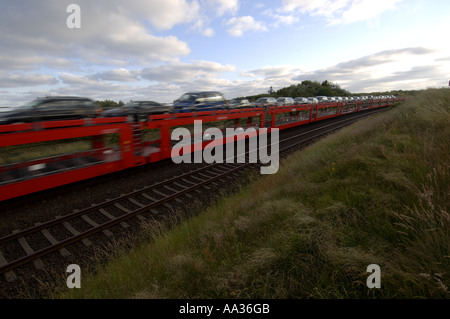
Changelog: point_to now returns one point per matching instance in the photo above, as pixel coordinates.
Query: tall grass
(376, 192)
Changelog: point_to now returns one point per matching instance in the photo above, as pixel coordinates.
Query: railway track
(140, 204)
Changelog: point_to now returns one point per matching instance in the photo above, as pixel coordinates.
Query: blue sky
(159, 49)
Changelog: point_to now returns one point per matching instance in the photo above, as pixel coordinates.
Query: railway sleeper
(165, 196)
(10, 276)
(86, 218)
(132, 200)
(63, 251)
(183, 187)
(75, 232)
(38, 264)
(108, 215)
(175, 191)
(155, 200)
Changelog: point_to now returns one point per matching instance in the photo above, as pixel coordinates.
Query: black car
(51, 108)
(138, 109)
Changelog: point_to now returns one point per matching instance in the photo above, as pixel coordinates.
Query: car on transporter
(199, 101)
(52, 108)
(265, 102)
(312, 100)
(138, 110)
(322, 99)
(301, 100)
(238, 103)
(282, 101)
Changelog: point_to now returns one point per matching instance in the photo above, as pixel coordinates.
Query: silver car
(265, 102)
(238, 103)
(285, 101)
(312, 100)
(322, 99)
(301, 100)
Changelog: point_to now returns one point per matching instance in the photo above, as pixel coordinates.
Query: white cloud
(281, 19)
(13, 80)
(220, 7)
(209, 32)
(405, 68)
(95, 88)
(120, 75)
(109, 33)
(126, 50)
(243, 24)
(274, 72)
(340, 11)
(179, 72)
(162, 14)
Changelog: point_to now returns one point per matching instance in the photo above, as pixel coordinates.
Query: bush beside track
(376, 192)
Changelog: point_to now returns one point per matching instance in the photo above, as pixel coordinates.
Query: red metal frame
(129, 139)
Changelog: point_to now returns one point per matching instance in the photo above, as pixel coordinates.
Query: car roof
(203, 92)
(146, 101)
(61, 97)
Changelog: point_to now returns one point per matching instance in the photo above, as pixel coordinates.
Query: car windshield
(188, 97)
(130, 104)
(27, 106)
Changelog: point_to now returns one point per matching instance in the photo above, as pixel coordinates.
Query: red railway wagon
(136, 143)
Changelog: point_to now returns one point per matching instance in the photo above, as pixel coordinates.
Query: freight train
(41, 155)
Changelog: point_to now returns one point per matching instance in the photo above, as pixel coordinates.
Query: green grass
(376, 192)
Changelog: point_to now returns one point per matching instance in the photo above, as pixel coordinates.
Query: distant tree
(270, 91)
(109, 104)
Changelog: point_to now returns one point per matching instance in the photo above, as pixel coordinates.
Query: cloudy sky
(159, 49)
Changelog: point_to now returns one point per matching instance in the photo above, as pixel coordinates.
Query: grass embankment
(376, 192)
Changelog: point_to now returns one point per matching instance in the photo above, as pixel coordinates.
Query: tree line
(109, 104)
(309, 88)
(306, 88)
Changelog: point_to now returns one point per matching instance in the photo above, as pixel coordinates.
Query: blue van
(199, 101)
